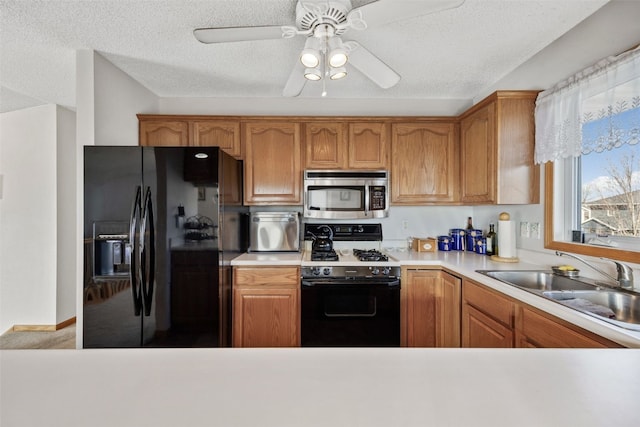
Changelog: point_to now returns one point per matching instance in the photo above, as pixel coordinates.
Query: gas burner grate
(324, 256)
(369, 255)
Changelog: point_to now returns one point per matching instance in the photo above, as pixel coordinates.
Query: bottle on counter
(492, 241)
(469, 224)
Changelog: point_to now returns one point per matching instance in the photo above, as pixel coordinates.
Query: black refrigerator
(161, 225)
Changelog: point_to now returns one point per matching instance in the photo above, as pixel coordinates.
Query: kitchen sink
(617, 307)
(537, 280)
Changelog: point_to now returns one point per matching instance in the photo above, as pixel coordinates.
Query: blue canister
(444, 243)
(457, 239)
(481, 245)
(471, 237)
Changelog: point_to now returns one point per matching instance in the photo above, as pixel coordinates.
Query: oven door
(350, 313)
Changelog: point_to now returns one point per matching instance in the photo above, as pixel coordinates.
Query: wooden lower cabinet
(487, 317)
(493, 320)
(266, 307)
(432, 308)
(536, 329)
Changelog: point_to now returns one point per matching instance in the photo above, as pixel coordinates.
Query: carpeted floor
(63, 338)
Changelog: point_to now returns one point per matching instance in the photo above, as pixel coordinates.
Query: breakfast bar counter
(319, 387)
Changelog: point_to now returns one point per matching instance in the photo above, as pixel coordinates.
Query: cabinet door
(433, 309)
(487, 317)
(325, 146)
(448, 310)
(159, 133)
(218, 133)
(368, 145)
(421, 308)
(273, 174)
(478, 156)
(265, 317)
(539, 330)
(480, 330)
(424, 164)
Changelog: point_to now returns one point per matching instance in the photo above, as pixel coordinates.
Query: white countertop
(466, 264)
(319, 387)
(267, 259)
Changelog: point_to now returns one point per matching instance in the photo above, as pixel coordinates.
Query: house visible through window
(609, 171)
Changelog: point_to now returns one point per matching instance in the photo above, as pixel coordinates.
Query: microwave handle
(367, 198)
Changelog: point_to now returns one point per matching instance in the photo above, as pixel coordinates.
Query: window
(589, 132)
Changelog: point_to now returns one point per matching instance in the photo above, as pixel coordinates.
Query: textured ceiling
(446, 55)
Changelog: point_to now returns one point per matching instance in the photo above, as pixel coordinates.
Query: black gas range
(354, 252)
(350, 289)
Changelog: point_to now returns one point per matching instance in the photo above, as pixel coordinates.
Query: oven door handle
(393, 283)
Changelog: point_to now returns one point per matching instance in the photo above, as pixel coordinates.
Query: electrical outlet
(535, 230)
(524, 229)
(405, 225)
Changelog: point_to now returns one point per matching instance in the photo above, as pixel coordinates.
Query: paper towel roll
(506, 239)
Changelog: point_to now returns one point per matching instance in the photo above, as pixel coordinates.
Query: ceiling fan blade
(237, 34)
(387, 11)
(296, 81)
(371, 66)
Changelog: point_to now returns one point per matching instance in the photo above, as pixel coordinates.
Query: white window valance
(583, 113)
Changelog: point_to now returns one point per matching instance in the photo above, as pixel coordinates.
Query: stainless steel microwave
(338, 194)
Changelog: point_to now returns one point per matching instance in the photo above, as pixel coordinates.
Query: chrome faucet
(625, 273)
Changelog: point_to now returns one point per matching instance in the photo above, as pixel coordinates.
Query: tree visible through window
(610, 177)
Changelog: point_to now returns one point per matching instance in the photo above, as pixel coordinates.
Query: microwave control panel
(377, 198)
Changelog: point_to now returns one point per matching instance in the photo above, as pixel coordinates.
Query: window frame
(578, 248)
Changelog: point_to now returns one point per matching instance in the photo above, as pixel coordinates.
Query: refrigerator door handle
(135, 256)
(148, 263)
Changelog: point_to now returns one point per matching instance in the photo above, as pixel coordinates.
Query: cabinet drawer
(266, 277)
(489, 302)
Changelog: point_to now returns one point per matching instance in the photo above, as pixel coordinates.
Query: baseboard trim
(44, 328)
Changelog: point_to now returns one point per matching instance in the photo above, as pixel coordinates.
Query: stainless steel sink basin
(617, 307)
(537, 280)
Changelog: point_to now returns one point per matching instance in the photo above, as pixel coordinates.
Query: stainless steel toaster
(274, 232)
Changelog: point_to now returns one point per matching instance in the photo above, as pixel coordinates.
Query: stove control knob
(326, 271)
(375, 271)
(386, 271)
(315, 271)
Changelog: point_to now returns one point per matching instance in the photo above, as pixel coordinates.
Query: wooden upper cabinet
(424, 164)
(218, 133)
(164, 133)
(368, 145)
(497, 150)
(325, 146)
(273, 173)
(346, 145)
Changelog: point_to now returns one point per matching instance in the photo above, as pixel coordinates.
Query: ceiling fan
(323, 22)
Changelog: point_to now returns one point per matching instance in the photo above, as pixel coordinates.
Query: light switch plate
(535, 230)
(524, 229)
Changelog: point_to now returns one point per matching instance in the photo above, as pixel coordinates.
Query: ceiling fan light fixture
(310, 55)
(337, 54)
(337, 73)
(312, 74)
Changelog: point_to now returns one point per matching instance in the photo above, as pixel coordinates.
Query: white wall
(28, 228)
(67, 218)
(118, 98)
